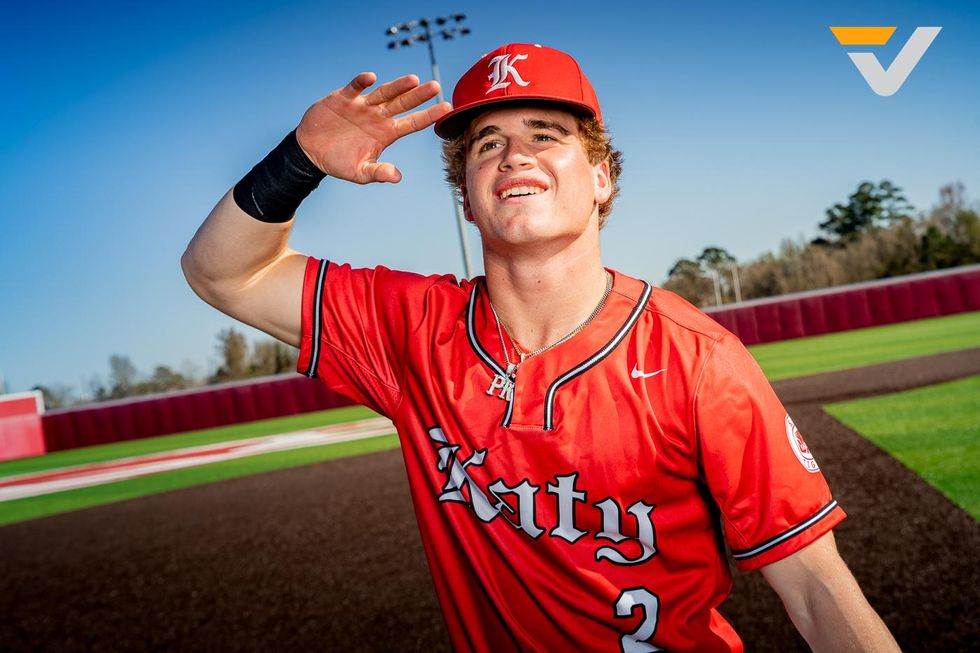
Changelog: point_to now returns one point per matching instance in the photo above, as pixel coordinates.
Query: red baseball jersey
(589, 508)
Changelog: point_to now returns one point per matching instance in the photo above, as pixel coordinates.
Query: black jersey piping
(594, 359)
(482, 353)
(787, 534)
(317, 320)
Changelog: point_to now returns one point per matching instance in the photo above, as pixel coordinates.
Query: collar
(541, 377)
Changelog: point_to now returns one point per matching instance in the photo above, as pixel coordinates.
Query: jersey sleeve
(773, 498)
(357, 326)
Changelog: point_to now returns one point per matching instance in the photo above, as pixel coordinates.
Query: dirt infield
(328, 557)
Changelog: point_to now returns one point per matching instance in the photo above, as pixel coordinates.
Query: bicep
(271, 300)
(808, 582)
(793, 576)
(245, 269)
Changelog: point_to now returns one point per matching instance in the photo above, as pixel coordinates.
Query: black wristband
(274, 188)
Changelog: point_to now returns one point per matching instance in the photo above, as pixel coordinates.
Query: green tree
(721, 264)
(687, 279)
(868, 207)
(685, 267)
(716, 258)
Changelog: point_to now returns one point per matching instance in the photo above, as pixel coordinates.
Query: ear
(603, 182)
(466, 204)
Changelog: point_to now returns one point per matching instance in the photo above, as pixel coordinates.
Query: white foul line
(70, 478)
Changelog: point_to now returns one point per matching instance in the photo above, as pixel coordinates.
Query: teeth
(520, 190)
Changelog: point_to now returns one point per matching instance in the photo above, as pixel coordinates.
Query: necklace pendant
(505, 384)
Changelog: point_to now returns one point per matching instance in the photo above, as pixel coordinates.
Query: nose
(517, 155)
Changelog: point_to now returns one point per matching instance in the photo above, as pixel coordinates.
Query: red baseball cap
(519, 72)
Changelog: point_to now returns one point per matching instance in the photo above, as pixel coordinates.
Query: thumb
(383, 172)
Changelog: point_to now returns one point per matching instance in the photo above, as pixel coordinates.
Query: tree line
(236, 360)
(874, 234)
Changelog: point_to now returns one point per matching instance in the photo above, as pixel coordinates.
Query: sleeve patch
(799, 447)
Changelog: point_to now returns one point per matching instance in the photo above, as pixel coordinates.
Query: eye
(545, 138)
(486, 146)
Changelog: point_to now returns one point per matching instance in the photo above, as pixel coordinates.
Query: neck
(540, 297)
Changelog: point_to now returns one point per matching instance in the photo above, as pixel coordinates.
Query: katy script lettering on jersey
(523, 517)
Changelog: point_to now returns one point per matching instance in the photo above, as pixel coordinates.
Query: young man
(577, 442)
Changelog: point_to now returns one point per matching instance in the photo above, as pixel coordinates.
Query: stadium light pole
(716, 278)
(736, 283)
(448, 27)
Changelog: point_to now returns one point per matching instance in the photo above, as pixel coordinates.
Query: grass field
(180, 440)
(50, 504)
(935, 431)
(840, 351)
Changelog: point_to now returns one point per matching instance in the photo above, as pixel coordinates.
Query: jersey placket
(535, 391)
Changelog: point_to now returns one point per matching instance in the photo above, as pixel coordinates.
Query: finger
(383, 172)
(419, 120)
(391, 89)
(413, 98)
(358, 84)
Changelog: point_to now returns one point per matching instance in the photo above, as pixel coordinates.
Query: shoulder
(382, 278)
(678, 313)
(670, 312)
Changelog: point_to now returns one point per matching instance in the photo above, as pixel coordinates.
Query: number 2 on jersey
(649, 605)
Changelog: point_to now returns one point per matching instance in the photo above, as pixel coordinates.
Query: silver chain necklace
(505, 383)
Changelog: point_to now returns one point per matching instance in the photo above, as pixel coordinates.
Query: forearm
(825, 602)
(834, 616)
(239, 260)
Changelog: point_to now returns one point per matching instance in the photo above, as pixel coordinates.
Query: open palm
(345, 132)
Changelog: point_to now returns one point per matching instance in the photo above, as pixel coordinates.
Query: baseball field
(315, 547)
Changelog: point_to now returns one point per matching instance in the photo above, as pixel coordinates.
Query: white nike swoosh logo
(637, 374)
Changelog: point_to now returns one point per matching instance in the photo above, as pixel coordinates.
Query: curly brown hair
(596, 142)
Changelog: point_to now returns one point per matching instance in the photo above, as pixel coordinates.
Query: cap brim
(454, 123)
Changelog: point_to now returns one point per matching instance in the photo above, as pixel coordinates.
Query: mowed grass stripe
(103, 452)
(50, 504)
(935, 431)
(847, 349)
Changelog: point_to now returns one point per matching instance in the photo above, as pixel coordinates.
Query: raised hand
(345, 132)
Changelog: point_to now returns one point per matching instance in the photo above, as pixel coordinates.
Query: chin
(525, 228)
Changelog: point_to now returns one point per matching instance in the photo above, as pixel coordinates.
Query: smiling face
(529, 180)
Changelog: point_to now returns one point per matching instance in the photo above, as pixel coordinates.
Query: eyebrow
(530, 123)
(533, 123)
(483, 133)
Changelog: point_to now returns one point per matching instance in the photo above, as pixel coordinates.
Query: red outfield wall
(187, 410)
(789, 316)
(856, 306)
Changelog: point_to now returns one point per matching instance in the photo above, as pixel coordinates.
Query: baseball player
(581, 447)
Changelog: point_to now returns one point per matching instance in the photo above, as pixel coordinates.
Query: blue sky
(123, 123)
